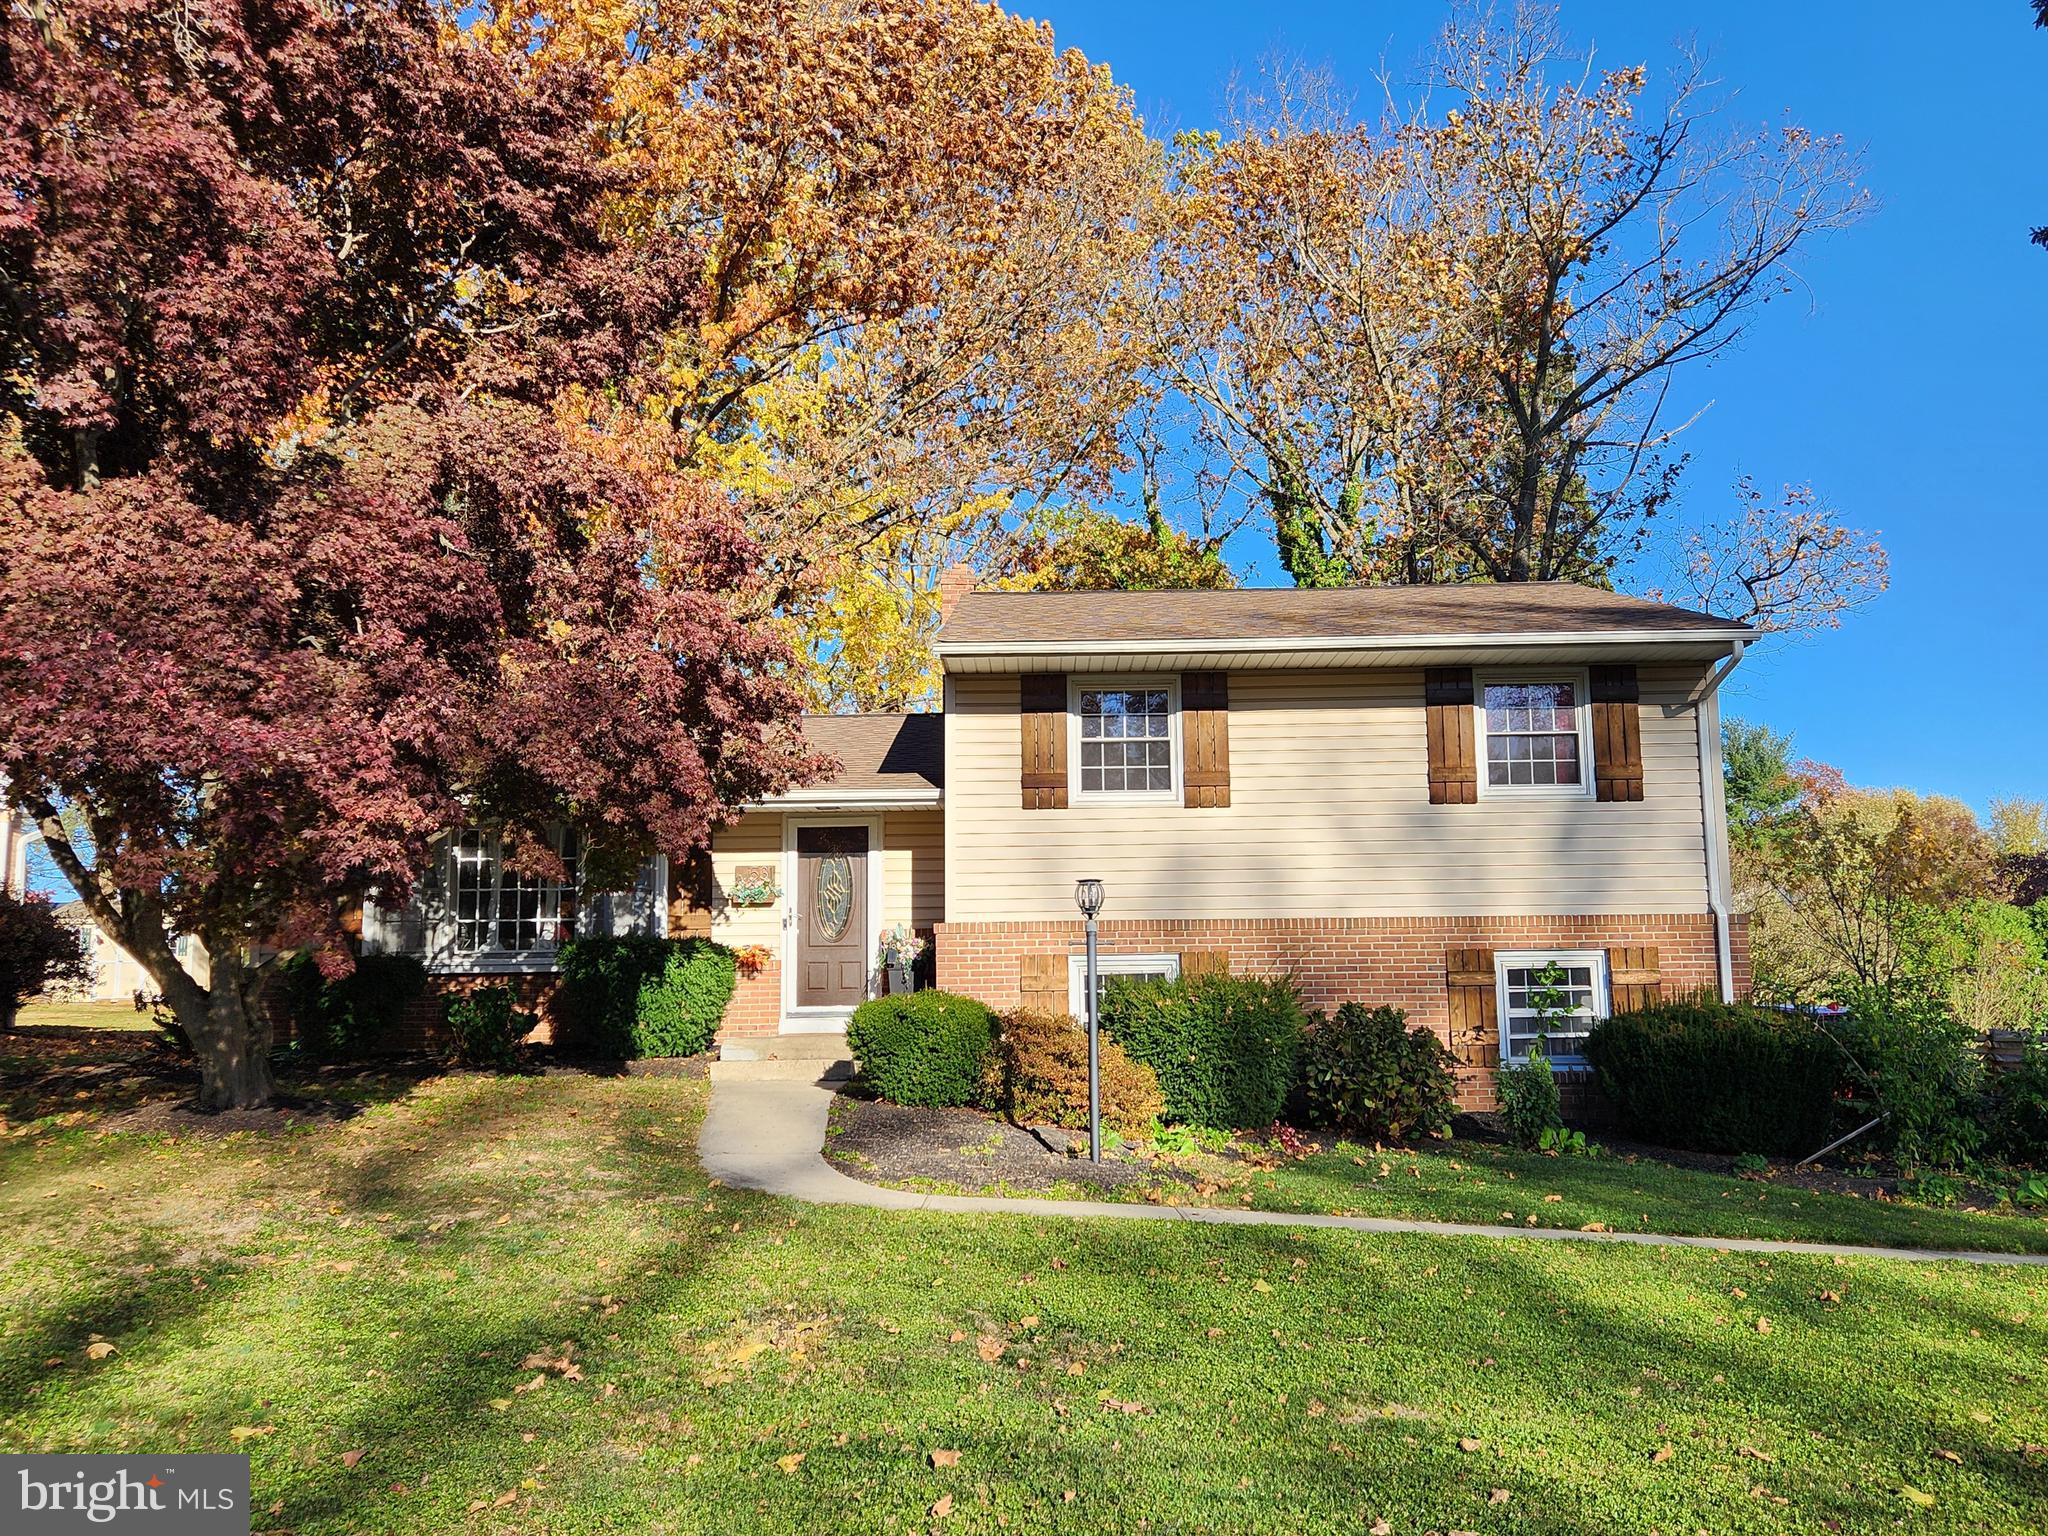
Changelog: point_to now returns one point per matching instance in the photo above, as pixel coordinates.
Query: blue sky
(1908, 388)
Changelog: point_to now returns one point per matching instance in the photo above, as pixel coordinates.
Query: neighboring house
(15, 836)
(1416, 796)
(117, 976)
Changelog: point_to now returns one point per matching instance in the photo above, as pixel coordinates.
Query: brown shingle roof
(880, 751)
(1310, 613)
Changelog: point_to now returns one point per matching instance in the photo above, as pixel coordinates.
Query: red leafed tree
(304, 563)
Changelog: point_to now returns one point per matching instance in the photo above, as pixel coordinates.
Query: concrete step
(818, 1047)
(797, 1069)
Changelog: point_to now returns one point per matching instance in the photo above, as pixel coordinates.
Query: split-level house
(1420, 796)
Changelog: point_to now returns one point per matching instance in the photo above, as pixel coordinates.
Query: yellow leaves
(945, 1458)
(790, 1463)
(243, 1433)
(1662, 1454)
(1262, 1287)
(98, 1348)
(1916, 1496)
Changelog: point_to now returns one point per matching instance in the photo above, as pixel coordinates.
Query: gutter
(1705, 701)
(1364, 644)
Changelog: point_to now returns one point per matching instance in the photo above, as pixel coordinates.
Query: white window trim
(1107, 966)
(1505, 960)
(1583, 790)
(1168, 681)
(446, 959)
(814, 1020)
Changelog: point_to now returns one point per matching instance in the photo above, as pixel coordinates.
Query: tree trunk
(8, 1008)
(231, 1041)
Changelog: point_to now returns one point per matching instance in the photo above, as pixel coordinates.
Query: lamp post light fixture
(1088, 897)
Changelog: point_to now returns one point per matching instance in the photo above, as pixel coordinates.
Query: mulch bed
(892, 1144)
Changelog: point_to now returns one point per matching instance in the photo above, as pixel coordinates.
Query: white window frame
(447, 957)
(1107, 966)
(1581, 681)
(1150, 682)
(1525, 959)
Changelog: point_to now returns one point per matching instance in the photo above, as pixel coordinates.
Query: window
(1557, 995)
(1143, 967)
(1126, 737)
(1535, 730)
(494, 909)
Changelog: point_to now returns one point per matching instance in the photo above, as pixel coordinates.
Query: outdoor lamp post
(1088, 897)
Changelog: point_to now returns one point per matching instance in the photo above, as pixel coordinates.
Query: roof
(1288, 625)
(884, 758)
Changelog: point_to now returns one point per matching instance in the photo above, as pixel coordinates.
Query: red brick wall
(1374, 960)
(756, 1006)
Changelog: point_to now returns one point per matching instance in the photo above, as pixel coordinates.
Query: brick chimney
(955, 582)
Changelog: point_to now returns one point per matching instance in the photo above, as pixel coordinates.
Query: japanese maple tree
(307, 561)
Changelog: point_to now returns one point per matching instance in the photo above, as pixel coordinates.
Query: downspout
(1706, 704)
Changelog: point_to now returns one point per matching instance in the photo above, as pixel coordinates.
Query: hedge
(640, 996)
(924, 1048)
(353, 1014)
(1365, 1073)
(1223, 1046)
(1718, 1077)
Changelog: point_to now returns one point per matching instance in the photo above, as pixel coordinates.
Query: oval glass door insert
(835, 897)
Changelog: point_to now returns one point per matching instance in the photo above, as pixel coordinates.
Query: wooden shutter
(1042, 984)
(1205, 737)
(1044, 724)
(1617, 733)
(1205, 962)
(1475, 1025)
(1453, 764)
(1633, 977)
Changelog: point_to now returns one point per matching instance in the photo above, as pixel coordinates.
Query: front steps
(783, 1058)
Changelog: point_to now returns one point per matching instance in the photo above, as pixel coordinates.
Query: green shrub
(925, 1048)
(353, 1014)
(1529, 1103)
(1366, 1074)
(1925, 1070)
(485, 1027)
(2019, 1123)
(1222, 1046)
(1038, 1075)
(1718, 1077)
(641, 996)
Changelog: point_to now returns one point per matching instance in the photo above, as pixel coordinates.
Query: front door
(832, 917)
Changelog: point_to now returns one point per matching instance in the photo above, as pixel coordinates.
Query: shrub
(1366, 1074)
(349, 1015)
(1038, 1075)
(485, 1027)
(1926, 1072)
(926, 1048)
(1718, 1077)
(1529, 1103)
(38, 951)
(641, 996)
(2019, 1124)
(1222, 1046)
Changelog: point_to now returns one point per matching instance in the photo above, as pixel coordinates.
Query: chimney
(955, 582)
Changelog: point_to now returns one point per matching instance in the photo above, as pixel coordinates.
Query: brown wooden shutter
(1042, 984)
(1044, 725)
(1634, 978)
(1453, 764)
(1205, 962)
(1617, 733)
(1205, 736)
(1475, 1026)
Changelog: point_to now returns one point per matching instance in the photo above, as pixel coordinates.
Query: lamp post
(1088, 897)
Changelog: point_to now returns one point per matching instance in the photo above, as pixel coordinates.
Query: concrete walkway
(768, 1134)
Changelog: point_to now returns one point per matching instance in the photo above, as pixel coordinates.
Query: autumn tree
(1442, 345)
(919, 219)
(38, 951)
(1782, 563)
(311, 554)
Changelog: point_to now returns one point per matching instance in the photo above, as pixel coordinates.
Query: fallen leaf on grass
(945, 1458)
(1596, 1226)
(1950, 1456)
(1662, 1454)
(243, 1432)
(534, 1385)
(1380, 1528)
(501, 1403)
(1763, 1325)
(1028, 1322)
(790, 1462)
(1754, 1454)
(1553, 1199)
(509, 1496)
(943, 1507)
(99, 1349)
(1498, 1496)
(350, 1458)
(990, 1348)
(1261, 1286)
(1913, 1495)
(1470, 1443)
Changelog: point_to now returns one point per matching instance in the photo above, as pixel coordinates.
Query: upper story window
(494, 909)
(1536, 730)
(1554, 996)
(1127, 737)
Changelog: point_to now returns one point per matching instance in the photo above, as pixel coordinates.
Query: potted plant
(900, 950)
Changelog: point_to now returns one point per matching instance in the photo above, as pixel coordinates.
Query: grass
(43, 1013)
(402, 1285)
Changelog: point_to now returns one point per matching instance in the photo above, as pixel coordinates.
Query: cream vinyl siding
(1329, 817)
(913, 877)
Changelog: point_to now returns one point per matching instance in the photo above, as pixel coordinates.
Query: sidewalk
(768, 1136)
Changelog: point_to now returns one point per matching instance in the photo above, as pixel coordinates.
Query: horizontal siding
(755, 839)
(1329, 816)
(913, 868)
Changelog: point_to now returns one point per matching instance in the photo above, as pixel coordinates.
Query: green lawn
(42, 1013)
(403, 1284)
(1485, 1182)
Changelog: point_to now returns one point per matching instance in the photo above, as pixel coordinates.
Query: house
(15, 835)
(1421, 796)
(117, 976)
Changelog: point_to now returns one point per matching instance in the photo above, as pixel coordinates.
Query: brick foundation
(1373, 960)
(756, 1006)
